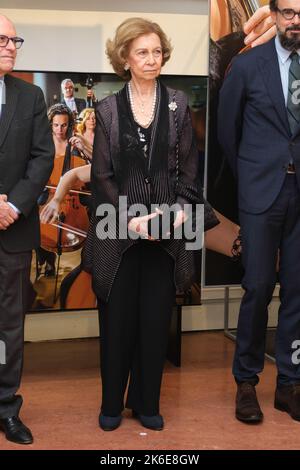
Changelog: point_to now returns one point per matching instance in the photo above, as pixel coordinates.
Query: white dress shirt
(70, 102)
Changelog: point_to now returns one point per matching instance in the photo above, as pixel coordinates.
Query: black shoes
(109, 423)
(156, 422)
(16, 431)
(287, 398)
(247, 406)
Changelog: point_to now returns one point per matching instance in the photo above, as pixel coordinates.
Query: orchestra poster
(58, 278)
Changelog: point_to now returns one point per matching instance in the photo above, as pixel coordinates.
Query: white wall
(61, 40)
(197, 7)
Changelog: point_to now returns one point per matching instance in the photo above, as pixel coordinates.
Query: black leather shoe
(15, 430)
(287, 398)
(247, 406)
(109, 423)
(156, 422)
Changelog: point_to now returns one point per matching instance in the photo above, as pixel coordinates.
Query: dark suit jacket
(80, 104)
(253, 128)
(26, 160)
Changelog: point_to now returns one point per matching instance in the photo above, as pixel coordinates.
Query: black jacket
(26, 160)
(254, 130)
(80, 104)
(114, 144)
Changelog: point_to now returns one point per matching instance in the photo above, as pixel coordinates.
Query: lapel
(269, 68)
(9, 108)
(297, 131)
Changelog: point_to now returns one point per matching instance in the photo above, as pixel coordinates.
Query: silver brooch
(173, 105)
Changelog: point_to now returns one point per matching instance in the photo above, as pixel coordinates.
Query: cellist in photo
(67, 234)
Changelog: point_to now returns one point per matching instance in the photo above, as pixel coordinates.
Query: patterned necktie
(293, 101)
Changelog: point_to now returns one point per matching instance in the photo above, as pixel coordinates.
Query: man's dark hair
(273, 5)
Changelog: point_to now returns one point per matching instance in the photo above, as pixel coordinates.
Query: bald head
(6, 21)
(8, 53)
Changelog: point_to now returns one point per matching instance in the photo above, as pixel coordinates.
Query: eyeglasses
(4, 40)
(288, 13)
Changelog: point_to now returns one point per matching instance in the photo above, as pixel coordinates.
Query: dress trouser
(262, 236)
(14, 298)
(134, 327)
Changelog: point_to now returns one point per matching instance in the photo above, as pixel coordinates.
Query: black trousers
(14, 298)
(263, 234)
(134, 327)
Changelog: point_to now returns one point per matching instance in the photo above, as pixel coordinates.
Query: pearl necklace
(142, 105)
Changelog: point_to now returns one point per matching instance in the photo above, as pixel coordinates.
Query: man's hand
(260, 28)
(7, 215)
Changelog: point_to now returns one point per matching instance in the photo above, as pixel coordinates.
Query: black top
(144, 134)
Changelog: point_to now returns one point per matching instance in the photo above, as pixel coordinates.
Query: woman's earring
(126, 67)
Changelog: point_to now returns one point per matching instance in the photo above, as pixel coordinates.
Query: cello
(73, 215)
(68, 232)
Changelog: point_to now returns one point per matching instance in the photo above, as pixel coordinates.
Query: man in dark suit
(259, 131)
(76, 105)
(26, 161)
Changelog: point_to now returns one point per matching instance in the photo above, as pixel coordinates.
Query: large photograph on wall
(227, 38)
(58, 280)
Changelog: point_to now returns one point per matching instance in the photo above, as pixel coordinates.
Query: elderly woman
(144, 149)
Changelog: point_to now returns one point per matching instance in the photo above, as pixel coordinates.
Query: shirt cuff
(14, 208)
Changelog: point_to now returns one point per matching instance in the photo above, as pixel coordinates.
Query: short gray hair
(65, 81)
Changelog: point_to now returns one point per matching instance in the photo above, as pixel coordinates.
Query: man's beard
(291, 43)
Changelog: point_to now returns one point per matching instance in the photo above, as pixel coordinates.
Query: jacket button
(147, 180)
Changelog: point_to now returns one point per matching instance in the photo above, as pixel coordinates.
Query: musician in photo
(83, 138)
(76, 105)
